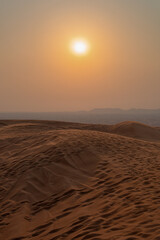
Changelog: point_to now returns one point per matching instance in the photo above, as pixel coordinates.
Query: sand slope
(78, 181)
(137, 130)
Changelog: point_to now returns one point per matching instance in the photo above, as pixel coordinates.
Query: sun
(79, 47)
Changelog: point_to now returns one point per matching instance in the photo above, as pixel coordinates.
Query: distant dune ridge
(79, 181)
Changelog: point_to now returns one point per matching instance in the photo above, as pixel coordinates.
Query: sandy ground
(79, 181)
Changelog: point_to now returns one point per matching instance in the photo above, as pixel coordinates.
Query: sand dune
(79, 181)
(137, 130)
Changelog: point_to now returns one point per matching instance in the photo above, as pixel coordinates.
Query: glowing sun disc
(80, 47)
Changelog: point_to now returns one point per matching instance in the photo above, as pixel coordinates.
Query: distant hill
(127, 111)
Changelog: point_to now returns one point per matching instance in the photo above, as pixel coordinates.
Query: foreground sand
(75, 181)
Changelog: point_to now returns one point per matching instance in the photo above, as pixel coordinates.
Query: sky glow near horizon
(39, 72)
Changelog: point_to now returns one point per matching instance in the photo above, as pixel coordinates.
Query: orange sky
(38, 72)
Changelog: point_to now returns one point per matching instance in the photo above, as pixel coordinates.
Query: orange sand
(79, 181)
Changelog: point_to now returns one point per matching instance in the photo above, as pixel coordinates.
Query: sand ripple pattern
(75, 181)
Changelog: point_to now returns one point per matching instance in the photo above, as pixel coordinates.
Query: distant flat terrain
(68, 181)
(95, 116)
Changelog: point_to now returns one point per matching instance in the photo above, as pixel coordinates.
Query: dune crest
(137, 130)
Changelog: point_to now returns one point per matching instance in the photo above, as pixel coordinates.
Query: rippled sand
(78, 181)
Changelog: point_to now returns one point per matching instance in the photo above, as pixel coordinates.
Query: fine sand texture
(79, 181)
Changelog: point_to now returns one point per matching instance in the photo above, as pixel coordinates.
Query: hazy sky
(38, 72)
